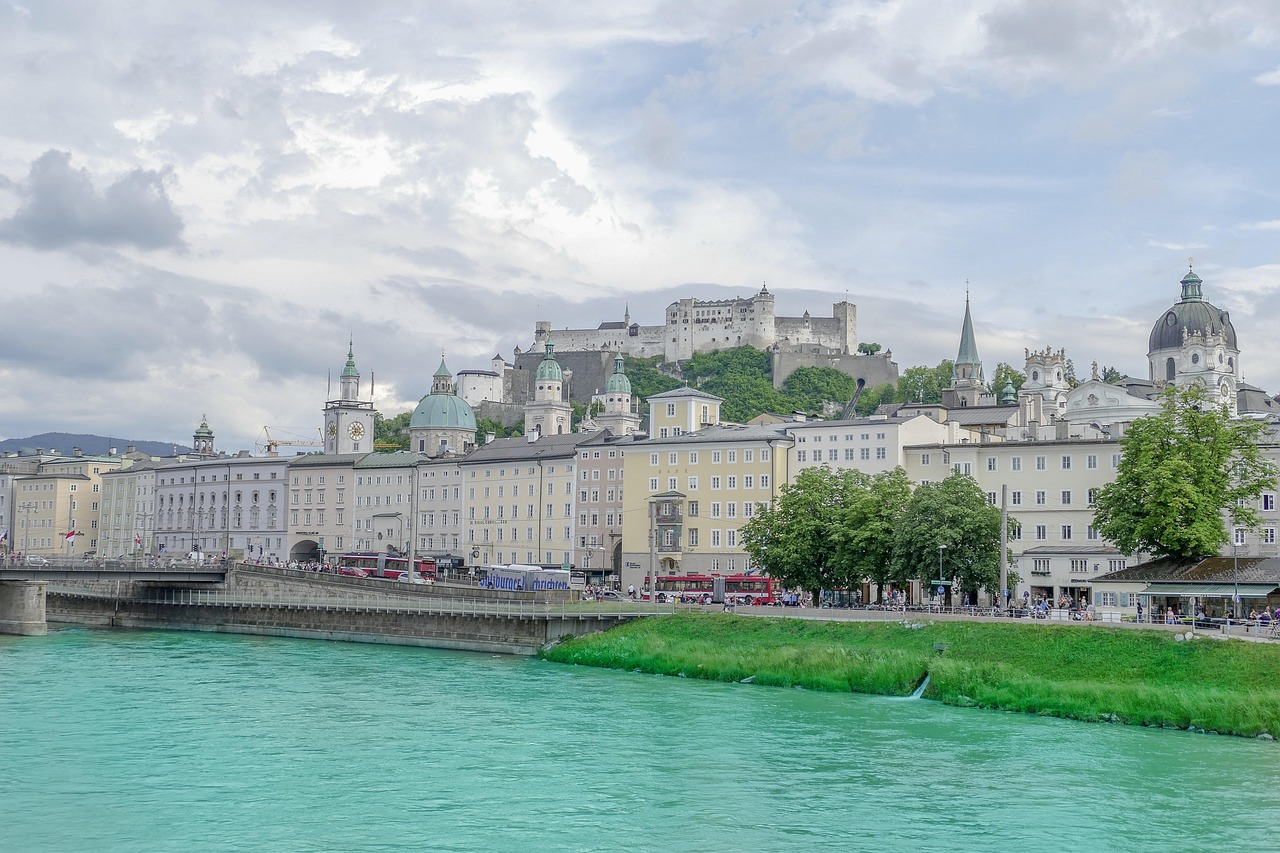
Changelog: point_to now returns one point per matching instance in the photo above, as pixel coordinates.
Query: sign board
(942, 590)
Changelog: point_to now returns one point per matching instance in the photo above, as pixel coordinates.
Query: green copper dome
(443, 411)
(549, 370)
(618, 383)
(203, 429)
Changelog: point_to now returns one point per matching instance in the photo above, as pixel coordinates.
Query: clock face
(356, 430)
(333, 429)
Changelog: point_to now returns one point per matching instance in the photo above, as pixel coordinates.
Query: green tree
(949, 522)
(1182, 472)
(867, 348)
(1111, 374)
(922, 384)
(807, 388)
(484, 426)
(1005, 374)
(873, 397)
(795, 538)
(391, 431)
(865, 538)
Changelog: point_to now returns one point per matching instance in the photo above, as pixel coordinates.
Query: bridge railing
(357, 602)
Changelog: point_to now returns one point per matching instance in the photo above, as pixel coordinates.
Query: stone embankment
(284, 602)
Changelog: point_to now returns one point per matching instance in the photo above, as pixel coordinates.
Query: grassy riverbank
(1097, 674)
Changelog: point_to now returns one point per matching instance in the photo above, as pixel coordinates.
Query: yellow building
(724, 474)
(61, 498)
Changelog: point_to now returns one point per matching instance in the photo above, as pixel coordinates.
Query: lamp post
(942, 547)
(26, 507)
(1235, 574)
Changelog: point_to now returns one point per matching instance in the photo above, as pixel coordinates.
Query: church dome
(443, 411)
(549, 369)
(1194, 315)
(618, 383)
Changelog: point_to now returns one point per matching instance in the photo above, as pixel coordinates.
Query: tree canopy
(948, 527)
(1183, 473)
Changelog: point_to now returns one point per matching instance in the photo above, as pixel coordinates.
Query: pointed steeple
(349, 382)
(1191, 286)
(442, 380)
(968, 346)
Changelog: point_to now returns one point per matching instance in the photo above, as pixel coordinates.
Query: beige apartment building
(723, 473)
(321, 505)
(63, 497)
(871, 445)
(520, 499)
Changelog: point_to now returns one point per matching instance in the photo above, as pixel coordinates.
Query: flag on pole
(4, 537)
(69, 536)
(137, 540)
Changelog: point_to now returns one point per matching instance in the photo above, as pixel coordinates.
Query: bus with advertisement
(699, 589)
(517, 577)
(379, 565)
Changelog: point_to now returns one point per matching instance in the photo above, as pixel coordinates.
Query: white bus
(520, 578)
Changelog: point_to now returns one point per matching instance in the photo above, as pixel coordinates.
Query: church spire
(968, 346)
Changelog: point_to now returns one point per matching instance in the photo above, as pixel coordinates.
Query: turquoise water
(155, 741)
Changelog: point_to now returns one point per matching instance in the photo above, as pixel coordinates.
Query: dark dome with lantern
(1193, 315)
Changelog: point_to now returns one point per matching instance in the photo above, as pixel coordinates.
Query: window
(1092, 533)
(991, 463)
(693, 537)
(1115, 460)
(671, 410)
(991, 498)
(1015, 463)
(1108, 599)
(1066, 463)
(924, 458)
(1268, 536)
(715, 538)
(1066, 532)
(1091, 461)
(731, 538)
(1015, 498)
(1040, 498)
(1268, 502)
(715, 484)
(715, 457)
(833, 455)
(692, 507)
(1041, 532)
(673, 458)
(653, 459)
(748, 481)
(1115, 565)
(715, 509)
(732, 457)
(671, 484)
(1040, 566)
(731, 482)
(693, 457)
(864, 453)
(1093, 496)
(882, 453)
(764, 455)
(653, 484)
(1239, 538)
(802, 456)
(1066, 497)
(1041, 463)
(748, 456)
(1078, 566)
(693, 484)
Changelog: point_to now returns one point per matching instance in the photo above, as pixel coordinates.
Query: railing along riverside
(356, 602)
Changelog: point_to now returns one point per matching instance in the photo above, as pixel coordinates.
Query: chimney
(489, 438)
(75, 451)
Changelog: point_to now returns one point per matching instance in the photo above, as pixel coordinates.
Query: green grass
(1092, 673)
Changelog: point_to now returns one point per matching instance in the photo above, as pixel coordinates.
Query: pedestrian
(1139, 611)
(1168, 616)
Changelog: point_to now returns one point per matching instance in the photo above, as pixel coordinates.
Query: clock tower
(348, 421)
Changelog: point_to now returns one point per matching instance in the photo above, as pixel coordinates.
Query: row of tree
(832, 529)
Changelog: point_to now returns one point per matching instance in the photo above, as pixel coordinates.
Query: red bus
(697, 589)
(386, 566)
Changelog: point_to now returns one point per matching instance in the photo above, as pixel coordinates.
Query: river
(156, 741)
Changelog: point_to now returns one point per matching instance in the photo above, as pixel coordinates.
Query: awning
(1211, 590)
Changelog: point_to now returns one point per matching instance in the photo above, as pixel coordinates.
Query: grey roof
(726, 432)
(520, 448)
(975, 415)
(685, 391)
(612, 324)
(315, 460)
(1094, 550)
(1203, 570)
(865, 421)
(395, 459)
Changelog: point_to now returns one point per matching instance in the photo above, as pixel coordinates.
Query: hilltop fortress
(694, 326)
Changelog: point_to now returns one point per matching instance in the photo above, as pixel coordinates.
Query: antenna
(328, 386)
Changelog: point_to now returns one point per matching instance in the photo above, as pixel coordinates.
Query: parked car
(612, 595)
(353, 572)
(37, 560)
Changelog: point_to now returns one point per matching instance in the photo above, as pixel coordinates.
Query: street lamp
(942, 547)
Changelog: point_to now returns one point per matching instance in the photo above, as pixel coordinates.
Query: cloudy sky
(200, 203)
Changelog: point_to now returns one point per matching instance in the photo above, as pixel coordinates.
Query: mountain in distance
(90, 445)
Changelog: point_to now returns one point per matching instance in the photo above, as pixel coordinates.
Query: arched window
(1170, 370)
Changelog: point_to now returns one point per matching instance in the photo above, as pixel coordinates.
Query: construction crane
(270, 445)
